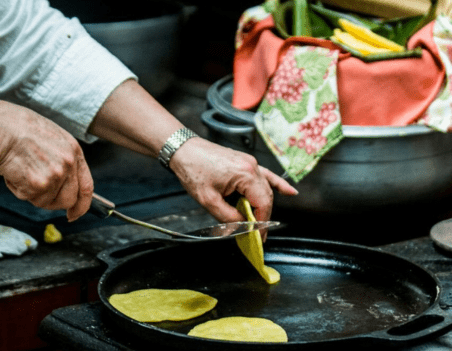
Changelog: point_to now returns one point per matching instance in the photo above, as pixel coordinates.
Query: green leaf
(335, 133)
(270, 5)
(322, 20)
(320, 28)
(324, 95)
(333, 17)
(291, 151)
(417, 52)
(399, 30)
(282, 13)
(315, 66)
(279, 17)
(293, 112)
(265, 107)
(298, 160)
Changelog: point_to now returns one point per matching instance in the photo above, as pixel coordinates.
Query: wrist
(173, 143)
(10, 132)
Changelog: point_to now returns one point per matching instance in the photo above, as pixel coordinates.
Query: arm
(68, 78)
(132, 118)
(50, 68)
(50, 64)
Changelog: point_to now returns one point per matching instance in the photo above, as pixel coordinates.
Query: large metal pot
(148, 46)
(371, 168)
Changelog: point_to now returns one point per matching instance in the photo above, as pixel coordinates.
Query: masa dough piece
(240, 329)
(156, 305)
(52, 234)
(251, 245)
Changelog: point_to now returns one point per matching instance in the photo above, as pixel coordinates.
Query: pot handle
(113, 255)
(246, 132)
(207, 117)
(429, 325)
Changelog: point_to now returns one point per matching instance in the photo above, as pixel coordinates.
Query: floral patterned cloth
(439, 113)
(299, 117)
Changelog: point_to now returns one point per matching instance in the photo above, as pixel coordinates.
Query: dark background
(207, 38)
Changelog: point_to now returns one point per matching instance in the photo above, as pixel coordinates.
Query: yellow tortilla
(251, 246)
(156, 305)
(240, 329)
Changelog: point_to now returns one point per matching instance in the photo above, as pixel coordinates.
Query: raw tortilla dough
(156, 305)
(240, 329)
(251, 245)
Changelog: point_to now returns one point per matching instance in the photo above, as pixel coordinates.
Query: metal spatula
(105, 208)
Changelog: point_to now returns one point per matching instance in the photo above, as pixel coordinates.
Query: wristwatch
(173, 143)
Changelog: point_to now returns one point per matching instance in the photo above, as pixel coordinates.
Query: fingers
(281, 185)
(67, 186)
(263, 209)
(85, 192)
(65, 198)
(51, 190)
(211, 176)
(214, 202)
(261, 199)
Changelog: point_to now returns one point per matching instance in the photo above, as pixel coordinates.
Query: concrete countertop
(74, 258)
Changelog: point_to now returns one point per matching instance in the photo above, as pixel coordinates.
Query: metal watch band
(173, 143)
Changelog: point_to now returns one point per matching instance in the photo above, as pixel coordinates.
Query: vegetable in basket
(366, 37)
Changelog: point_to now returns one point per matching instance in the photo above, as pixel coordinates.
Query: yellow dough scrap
(52, 234)
(240, 329)
(251, 245)
(156, 305)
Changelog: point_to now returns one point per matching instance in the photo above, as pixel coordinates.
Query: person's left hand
(210, 172)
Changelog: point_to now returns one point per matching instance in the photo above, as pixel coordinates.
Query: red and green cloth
(306, 88)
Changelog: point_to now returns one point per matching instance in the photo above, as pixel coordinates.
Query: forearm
(50, 64)
(132, 118)
(209, 172)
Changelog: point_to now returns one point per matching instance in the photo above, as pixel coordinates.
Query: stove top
(85, 327)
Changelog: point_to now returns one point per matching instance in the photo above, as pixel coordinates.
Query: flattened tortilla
(240, 329)
(251, 245)
(156, 305)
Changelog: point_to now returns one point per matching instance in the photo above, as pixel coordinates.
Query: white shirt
(50, 64)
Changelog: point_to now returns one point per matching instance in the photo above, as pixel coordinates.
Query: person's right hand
(42, 163)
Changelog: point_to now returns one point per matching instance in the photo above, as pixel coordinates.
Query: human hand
(210, 172)
(42, 163)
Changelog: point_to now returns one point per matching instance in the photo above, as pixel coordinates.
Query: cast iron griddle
(329, 293)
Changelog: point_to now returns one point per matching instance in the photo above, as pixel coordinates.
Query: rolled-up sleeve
(50, 64)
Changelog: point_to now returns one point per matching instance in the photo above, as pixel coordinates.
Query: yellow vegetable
(369, 37)
(354, 43)
(251, 246)
(51, 234)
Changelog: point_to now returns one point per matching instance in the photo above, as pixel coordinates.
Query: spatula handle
(101, 207)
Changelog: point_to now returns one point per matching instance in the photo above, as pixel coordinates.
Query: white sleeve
(50, 64)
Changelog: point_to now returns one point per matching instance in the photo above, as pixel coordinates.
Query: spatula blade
(231, 229)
